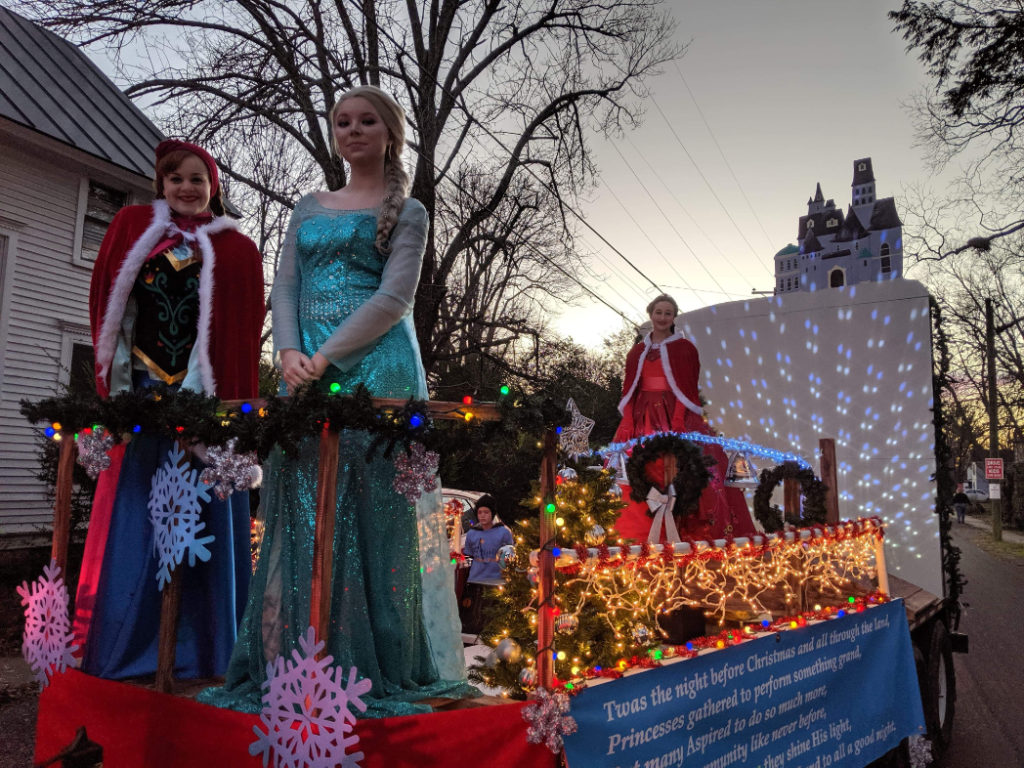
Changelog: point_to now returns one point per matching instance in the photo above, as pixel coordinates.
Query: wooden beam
(546, 564)
(791, 499)
(441, 410)
(62, 503)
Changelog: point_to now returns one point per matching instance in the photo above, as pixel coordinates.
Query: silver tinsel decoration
(92, 451)
(508, 650)
(415, 472)
(594, 537)
(920, 751)
(228, 471)
(549, 719)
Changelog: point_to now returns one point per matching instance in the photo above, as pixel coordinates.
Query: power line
(724, 158)
(711, 189)
(669, 222)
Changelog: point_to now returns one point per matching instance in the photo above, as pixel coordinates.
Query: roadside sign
(993, 469)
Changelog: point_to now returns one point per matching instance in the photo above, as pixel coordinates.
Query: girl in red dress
(660, 394)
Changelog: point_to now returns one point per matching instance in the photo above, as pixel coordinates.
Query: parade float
(820, 642)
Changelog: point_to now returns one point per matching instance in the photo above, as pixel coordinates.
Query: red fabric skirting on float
(140, 728)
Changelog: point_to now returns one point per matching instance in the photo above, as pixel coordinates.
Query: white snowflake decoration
(47, 644)
(174, 507)
(575, 439)
(306, 716)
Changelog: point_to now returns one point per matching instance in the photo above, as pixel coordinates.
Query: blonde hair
(658, 299)
(396, 180)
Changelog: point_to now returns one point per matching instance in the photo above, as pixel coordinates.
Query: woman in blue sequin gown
(342, 304)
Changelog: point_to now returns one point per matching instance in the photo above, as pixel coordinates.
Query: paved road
(989, 725)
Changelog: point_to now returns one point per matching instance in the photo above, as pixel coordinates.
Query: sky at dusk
(769, 99)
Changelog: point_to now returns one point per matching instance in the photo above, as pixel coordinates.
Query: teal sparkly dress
(393, 613)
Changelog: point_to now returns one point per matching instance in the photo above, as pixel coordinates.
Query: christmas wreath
(813, 491)
(692, 473)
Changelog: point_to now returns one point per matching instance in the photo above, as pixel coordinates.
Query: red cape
(237, 300)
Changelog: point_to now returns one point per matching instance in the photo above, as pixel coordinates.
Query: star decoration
(575, 439)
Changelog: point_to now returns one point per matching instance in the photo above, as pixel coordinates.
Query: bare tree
(961, 284)
(974, 52)
(503, 91)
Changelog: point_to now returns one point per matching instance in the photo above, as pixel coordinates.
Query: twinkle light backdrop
(853, 364)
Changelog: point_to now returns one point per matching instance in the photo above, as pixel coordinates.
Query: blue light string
(727, 444)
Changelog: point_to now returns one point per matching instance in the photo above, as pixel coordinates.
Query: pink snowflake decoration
(549, 719)
(416, 472)
(47, 645)
(306, 718)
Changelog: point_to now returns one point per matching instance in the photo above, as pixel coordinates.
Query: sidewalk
(985, 524)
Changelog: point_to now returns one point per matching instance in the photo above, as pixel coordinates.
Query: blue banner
(837, 694)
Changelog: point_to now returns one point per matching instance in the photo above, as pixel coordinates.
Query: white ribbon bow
(661, 505)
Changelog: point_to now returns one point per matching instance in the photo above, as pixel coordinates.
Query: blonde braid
(396, 186)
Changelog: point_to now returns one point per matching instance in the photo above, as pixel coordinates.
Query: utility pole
(993, 425)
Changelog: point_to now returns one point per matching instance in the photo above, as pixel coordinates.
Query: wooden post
(791, 499)
(827, 447)
(546, 564)
(323, 538)
(170, 610)
(880, 566)
(62, 503)
(167, 643)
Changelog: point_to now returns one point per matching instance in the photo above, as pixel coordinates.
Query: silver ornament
(528, 678)
(615, 492)
(566, 623)
(506, 555)
(641, 634)
(533, 574)
(567, 473)
(508, 650)
(595, 536)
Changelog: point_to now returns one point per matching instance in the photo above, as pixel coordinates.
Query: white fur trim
(663, 351)
(158, 228)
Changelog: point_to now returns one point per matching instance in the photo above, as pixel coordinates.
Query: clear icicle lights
(780, 573)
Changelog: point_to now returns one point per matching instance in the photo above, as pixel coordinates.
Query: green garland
(692, 474)
(280, 421)
(945, 485)
(814, 491)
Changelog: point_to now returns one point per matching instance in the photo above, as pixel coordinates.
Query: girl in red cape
(176, 300)
(660, 394)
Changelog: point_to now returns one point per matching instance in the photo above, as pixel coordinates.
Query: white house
(73, 150)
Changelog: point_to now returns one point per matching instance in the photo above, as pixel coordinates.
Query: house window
(884, 250)
(98, 203)
(836, 278)
(886, 265)
(76, 359)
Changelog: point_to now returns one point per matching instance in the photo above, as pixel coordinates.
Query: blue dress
(330, 269)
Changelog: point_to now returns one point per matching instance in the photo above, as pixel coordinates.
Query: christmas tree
(589, 639)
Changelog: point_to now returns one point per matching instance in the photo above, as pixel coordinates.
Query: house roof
(49, 85)
(884, 215)
(862, 172)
